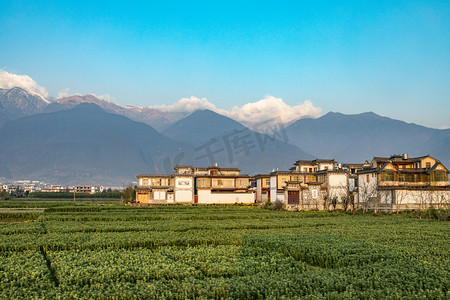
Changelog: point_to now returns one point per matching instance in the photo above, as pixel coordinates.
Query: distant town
(21, 188)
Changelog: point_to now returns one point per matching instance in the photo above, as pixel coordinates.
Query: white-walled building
(87, 189)
(310, 184)
(188, 185)
(399, 182)
(262, 187)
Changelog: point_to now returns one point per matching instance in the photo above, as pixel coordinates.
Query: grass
(99, 249)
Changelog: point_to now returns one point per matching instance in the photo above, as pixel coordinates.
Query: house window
(314, 194)
(144, 181)
(387, 176)
(367, 177)
(428, 165)
(267, 181)
(439, 176)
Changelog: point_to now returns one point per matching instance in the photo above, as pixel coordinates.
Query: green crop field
(109, 251)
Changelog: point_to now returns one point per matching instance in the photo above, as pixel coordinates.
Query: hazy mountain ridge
(153, 117)
(232, 144)
(202, 125)
(355, 138)
(83, 145)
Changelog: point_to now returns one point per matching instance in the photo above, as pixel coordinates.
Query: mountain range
(81, 145)
(86, 140)
(17, 102)
(356, 138)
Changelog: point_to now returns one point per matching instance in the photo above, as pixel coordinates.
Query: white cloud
(250, 113)
(67, 93)
(9, 80)
(105, 97)
(271, 107)
(64, 93)
(188, 105)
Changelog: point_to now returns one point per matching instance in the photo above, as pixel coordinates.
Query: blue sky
(389, 57)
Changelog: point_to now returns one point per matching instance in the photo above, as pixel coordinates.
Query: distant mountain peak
(88, 107)
(89, 98)
(21, 92)
(200, 125)
(18, 102)
(364, 114)
(16, 89)
(201, 112)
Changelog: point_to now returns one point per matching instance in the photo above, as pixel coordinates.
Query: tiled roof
(183, 166)
(222, 176)
(435, 166)
(399, 158)
(314, 161)
(364, 171)
(222, 169)
(261, 175)
(281, 172)
(154, 176)
(354, 165)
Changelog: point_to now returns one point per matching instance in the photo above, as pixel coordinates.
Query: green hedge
(60, 195)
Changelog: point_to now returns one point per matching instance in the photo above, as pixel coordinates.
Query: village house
(310, 184)
(400, 182)
(56, 189)
(352, 175)
(262, 187)
(188, 185)
(29, 188)
(87, 189)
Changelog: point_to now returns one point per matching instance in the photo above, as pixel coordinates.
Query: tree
(352, 201)
(422, 198)
(129, 193)
(339, 194)
(400, 196)
(345, 202)
(325, 202)
(366, 191)
(4, 195)
(306, 200)
(317, 200)
(334, 201)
